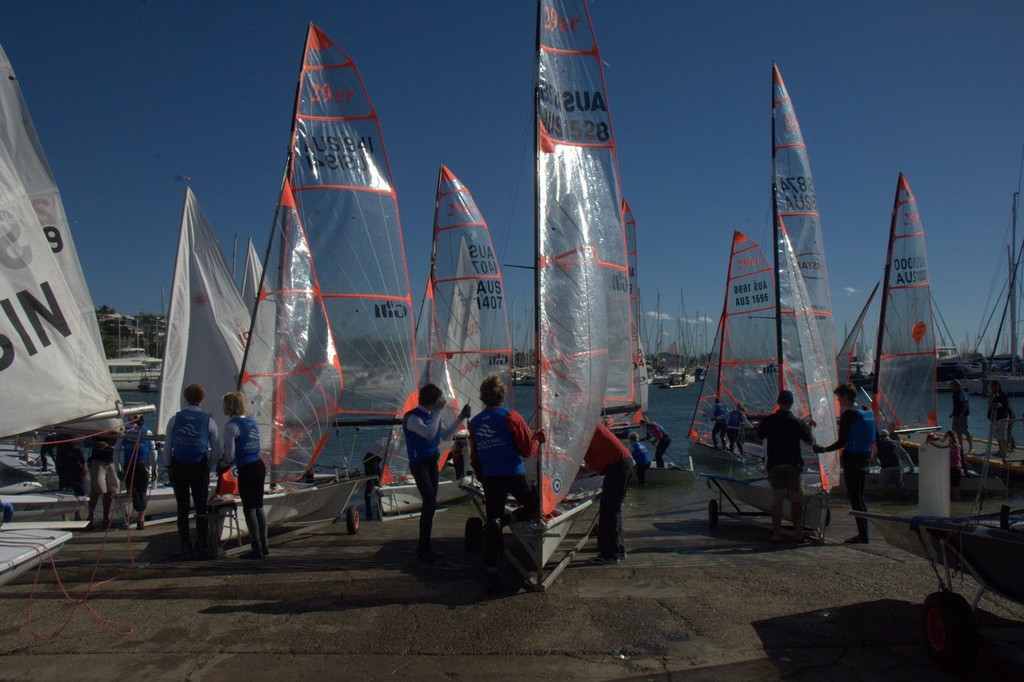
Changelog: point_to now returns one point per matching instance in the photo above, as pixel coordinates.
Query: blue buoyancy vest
(191, 437)
(721, 411)
(247, 442)
(420, 449)
(735, 419)
(862, 433)
(639, 452)
(495, 446)
(128, 446)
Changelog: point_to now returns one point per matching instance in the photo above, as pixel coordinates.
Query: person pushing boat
(659, 438)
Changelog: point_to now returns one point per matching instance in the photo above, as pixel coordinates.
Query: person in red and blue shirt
(499, 441)
(424, 432)
(659, 438)
(608, 457)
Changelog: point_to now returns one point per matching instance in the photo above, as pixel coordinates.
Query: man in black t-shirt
(783, 432)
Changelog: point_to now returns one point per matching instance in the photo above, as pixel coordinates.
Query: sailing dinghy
(462, 333)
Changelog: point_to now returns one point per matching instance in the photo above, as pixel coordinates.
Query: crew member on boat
(137, 457)
(191, 438)
(611, 460)
(242, 449)
(659, 438)
(499, 439)
(721, 417)
(423, 435)
(856, 437)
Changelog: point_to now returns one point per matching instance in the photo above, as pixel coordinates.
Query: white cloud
(850, 291)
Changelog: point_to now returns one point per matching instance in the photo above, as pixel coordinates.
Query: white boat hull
(21, 487)
(21, 550)
(404, 498)
(48, 506)
(757, 493)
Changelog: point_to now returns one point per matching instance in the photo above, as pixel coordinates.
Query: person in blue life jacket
(138, 454)
(424, 432)
(857, 435)
(961, 411)
(641, 458)
(735, 425)
(242, 450)
(191, 438)
(659, 438)
(721, 417)
(499, 441)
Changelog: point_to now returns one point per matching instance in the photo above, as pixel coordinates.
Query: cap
(884, 433)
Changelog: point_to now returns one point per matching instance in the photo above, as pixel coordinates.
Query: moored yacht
(130, 366)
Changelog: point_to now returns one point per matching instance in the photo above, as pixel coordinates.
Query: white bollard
(933, 481)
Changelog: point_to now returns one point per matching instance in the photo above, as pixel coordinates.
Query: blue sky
(127, 96)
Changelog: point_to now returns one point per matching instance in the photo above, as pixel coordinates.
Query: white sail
(251, 276)
(30, 164)
(48, 356)
(641, 382)
(207, 322)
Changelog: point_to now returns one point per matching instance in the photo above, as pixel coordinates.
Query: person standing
(641, 458)
(961, 410)
(69, 461)
(735, 426)
(721, 417)
(856, 437)
(423, 435)
(782, 431)
(242, 449)
(372, 460)
(137, 455)
(659, 438)
(191, 438)
(1000, 414)
(499, 441)
(610, 459)
(102, 477)
(892, 460)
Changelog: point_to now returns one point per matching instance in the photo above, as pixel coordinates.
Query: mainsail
(207, 321)
(640, 379)
(251, 276)
(905, 354)
(846, 355)
(578, 231)
(797, 205)
(340, 348)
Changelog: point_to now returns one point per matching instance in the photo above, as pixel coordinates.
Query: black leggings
(191, 481)
(855, 466)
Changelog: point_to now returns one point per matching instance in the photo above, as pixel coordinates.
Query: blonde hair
(633, 436)
(492, 391)
(234, 403)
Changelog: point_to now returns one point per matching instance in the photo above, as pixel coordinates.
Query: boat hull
(404, 498)
(21, 550)
(756, 493)
(48, 506)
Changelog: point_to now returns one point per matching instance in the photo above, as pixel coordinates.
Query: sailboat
(850, 364)
(331, 343)
(641, 379)
(462, 333)
(578, 241)
(51, 357)
(251, 273)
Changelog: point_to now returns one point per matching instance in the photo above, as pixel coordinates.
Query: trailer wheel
(474, 533)
(352, 520)
(713, 513)
(949, 630)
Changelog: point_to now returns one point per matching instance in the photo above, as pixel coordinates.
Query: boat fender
(227, 484)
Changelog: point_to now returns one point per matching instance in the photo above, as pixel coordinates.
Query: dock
(687, 603)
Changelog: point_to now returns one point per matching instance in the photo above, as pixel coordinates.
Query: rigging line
(526, 137)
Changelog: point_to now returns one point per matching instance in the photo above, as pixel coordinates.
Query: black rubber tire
(352, 520)
(474, 533)
(949, 630)
(713, 513)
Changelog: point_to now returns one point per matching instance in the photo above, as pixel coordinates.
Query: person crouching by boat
(423, 435)
(191, 438)
(136, 448)
(856, 438)
(242, 450)
(1000, 414)
(641, 458)
(499, 441)
(782, 432)
(610, 459)
(956, 460)
(102, 477)
(659, 438)
(892, 460)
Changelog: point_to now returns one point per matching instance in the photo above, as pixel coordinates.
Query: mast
(779, 368)
(1014, 369)
(537, 226)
